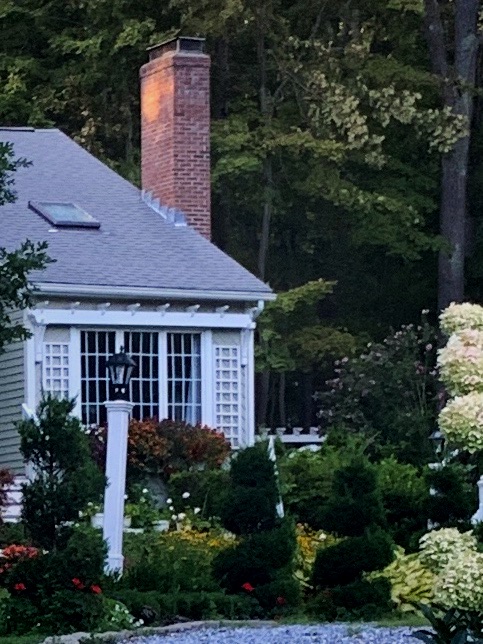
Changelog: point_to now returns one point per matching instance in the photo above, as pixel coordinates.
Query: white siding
(12, 391)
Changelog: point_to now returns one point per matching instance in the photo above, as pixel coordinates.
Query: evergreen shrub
(345, 561)
(66, 476)
(261, 563)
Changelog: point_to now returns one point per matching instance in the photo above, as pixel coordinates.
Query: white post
(272, 456)
(117, 428)
(478, 516)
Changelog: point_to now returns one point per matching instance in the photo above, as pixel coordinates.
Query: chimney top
(182, 44)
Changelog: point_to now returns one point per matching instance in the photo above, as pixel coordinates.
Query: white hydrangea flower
(460, 583)
(461, 316)
(181, 516)
(197, 510)
(461, 421)
(169, 501)
(174, 517)
(440, 547)
(461, 362)
(185, 495)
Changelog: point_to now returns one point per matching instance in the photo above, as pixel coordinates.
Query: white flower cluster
(461, 421)
(453, 557)
(461, 362)
(439, 547)
(460, 583)
(458, 317)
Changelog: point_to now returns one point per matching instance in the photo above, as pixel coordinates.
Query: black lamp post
(120, 367)
(438, 439)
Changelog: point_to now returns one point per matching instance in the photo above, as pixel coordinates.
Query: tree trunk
(458, 78)
(451, 267)
(262, 397)
(266, 219)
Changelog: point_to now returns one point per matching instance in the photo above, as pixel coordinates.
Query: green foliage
(307, 477)
(66, 477)
(345, 561)
(251, 501)
(455, 495)
(161, 608)
(388, 392)
(167, 565)
(451, 627)
(58, 591)
(405, 495)
(291, 336)
(355, 501)
(263, 559)
(208, 490)
(363, 599)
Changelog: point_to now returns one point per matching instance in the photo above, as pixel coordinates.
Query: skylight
(64, 214)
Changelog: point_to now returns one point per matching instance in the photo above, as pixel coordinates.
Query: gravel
(326, 634)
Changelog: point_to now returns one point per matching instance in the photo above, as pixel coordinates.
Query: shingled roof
(135, 247)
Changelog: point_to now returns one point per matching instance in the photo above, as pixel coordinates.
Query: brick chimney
(175, 129)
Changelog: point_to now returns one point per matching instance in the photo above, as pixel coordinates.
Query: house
(134, 269)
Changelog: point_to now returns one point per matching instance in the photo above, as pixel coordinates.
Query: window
(175, 380)
(96, 347)
(184, 377)
(64, 214)
(143, 347)
(56, 369)
(227, 392)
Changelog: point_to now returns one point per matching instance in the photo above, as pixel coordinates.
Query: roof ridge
(27, 128)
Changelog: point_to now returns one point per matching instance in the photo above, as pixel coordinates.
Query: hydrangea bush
(461, 421)
(440, 547)
(458, 317)
(461, 362)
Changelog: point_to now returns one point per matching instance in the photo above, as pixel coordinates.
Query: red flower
(248, 587)
(281, 601)
(78, 584)
(20, 587)
(96, 589)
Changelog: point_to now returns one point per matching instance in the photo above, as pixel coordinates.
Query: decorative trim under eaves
(154, 319)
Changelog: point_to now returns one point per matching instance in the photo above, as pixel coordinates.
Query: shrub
(6, 479)
(355, 501)
(208, 490)
(58, 591)
(263, 558)
(405, 494)
(388, 392)
(253, 495)
(455, 496)
(344, 562)
(171, 562)
(307, 477)
(363, 598)
(66, 477)
(411, 582)
(162, 608)
(165, 447)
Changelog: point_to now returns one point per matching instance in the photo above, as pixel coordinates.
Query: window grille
(56, 369)
(227, 392)
(143, 347)
(184, 377)
(96, 347)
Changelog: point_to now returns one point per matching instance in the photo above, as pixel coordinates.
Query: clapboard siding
(12, 395)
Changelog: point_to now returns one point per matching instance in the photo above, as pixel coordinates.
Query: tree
(66, 476)
(16, 265)
(454, 42)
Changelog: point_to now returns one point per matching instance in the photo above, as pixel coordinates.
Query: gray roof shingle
(135, 246)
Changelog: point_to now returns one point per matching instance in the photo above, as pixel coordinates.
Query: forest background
(346, 152)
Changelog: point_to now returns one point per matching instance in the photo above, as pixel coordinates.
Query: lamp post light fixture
(120, 367)
(438, 439)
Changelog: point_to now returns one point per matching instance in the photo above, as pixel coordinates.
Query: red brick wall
(175, 134)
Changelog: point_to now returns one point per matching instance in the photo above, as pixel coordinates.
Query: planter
(161, 526)
(97, 521)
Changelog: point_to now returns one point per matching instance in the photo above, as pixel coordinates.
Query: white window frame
(207, 375)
